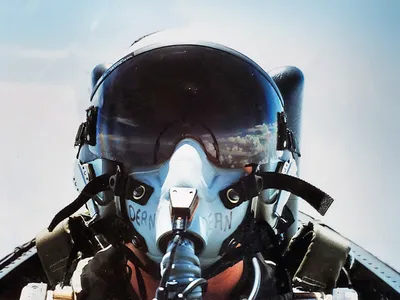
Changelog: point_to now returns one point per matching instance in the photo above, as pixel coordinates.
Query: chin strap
(251, 185)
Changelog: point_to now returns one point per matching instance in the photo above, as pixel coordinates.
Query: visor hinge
(286, 137)
(292, 143)
(86, 133)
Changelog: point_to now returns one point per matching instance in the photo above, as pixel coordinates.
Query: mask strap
(251, 185)
(97, 185)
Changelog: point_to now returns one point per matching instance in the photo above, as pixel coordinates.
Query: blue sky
(348, 51)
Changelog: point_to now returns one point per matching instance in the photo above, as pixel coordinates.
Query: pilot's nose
(189, 167)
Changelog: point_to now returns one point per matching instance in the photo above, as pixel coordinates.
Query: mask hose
(180, 266)
(181, 272)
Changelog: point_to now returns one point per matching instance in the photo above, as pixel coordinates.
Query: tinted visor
(152, 101)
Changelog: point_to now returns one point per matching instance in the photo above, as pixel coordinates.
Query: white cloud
(256, 145)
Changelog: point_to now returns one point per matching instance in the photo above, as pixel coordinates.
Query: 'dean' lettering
(141, 218)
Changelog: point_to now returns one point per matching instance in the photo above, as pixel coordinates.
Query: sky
(347, 50)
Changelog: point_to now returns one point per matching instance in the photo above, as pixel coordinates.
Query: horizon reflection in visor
(151, 102)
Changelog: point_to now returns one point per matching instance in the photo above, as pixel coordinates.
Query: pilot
(185, 122)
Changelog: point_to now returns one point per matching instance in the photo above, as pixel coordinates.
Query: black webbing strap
(313, 195)
(97, 185)
(249, 187)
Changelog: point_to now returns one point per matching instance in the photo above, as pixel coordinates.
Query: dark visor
(152, 101)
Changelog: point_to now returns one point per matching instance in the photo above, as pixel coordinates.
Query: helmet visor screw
(233, 196)
(139, 192)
